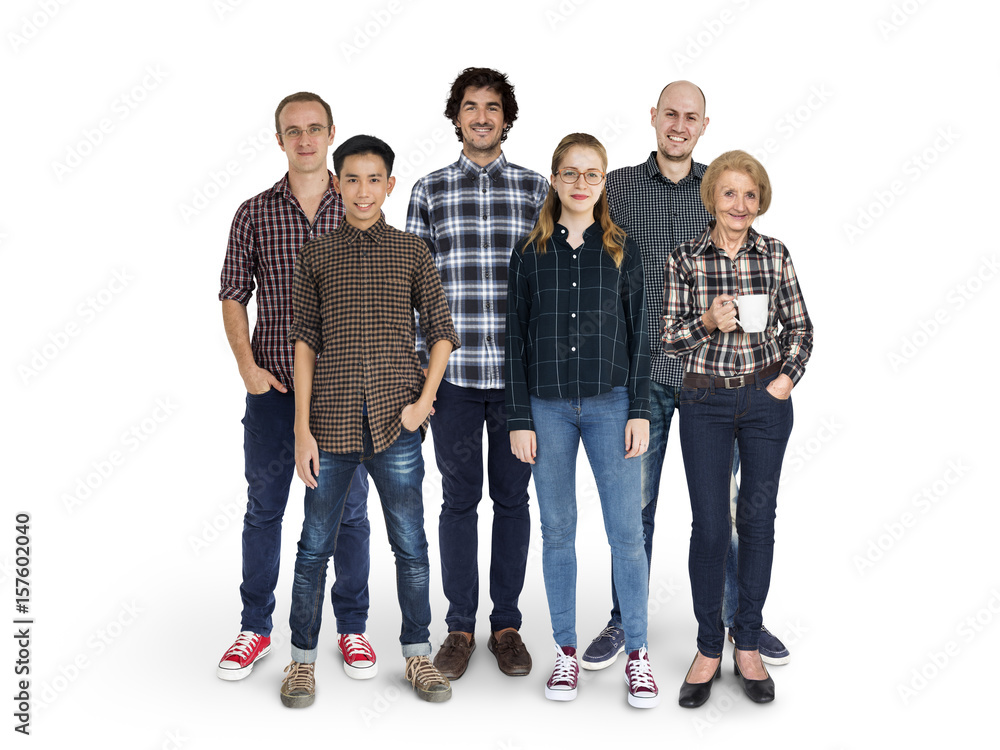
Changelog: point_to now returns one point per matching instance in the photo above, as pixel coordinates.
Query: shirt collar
(375, 232)
(653, 171)
(283, 188)
(473, 170)
(591, 231)
(754, 241)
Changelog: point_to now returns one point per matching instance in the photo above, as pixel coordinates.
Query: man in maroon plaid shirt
(264, 241)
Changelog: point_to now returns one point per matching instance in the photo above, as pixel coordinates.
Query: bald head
(682, 88)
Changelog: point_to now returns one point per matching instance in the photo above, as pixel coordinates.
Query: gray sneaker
(604, 649)
(429, 684)
(299, 688)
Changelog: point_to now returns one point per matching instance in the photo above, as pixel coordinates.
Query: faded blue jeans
(398, 474)
(599, 422)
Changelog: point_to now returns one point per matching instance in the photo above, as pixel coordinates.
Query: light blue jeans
(599, 421)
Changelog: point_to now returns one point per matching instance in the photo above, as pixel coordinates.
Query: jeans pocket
(693, 395)
(260, 395)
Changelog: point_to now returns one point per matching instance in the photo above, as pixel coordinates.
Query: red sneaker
(359, 656)
(238, 661)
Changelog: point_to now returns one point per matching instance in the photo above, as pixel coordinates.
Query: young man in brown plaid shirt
(365, 399)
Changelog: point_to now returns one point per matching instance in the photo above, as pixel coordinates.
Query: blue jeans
(599, 421)
(269, 453)
(457, 427)
(761, 424)
(398, 473)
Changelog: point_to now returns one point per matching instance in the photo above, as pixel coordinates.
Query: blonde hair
(614, 235)
(743, 163)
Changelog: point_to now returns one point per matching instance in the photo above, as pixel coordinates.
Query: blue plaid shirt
(659, 215)
(471, 217)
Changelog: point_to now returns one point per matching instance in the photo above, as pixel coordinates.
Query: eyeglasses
(572, 174)
(313, 130)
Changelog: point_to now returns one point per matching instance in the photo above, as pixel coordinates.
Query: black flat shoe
(759, 691)
(694, 694)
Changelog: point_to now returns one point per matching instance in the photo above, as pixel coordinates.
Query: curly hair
(478, 78)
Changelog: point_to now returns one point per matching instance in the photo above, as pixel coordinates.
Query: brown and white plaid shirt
(353, 296)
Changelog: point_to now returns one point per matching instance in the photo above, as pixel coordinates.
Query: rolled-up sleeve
(796, 337)
(429, 301)
(682, 330)
(239, 265)
(306, 320)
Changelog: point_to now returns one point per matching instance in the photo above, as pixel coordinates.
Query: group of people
(588, 306)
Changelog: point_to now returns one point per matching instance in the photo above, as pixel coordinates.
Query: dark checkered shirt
(659, 215)
(698, 272)
(353, 297)
(265, 237)
(576, 325)
(470, 217)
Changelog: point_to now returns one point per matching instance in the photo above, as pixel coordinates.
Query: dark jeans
(398, 473)
(761, 424)
(269, 452)
(457, 428)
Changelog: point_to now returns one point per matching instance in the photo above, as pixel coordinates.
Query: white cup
(752, 312)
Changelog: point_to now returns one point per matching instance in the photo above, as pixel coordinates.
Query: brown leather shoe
(453, 657)
(512, 655)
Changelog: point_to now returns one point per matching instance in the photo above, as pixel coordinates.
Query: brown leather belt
(697, 380)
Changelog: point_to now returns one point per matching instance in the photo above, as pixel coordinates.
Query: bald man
(659, 204)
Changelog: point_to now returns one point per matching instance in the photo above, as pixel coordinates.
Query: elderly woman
(737, 385)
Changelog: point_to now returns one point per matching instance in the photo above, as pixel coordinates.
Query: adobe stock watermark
(923, 502)
(102, 639)
(173, 740)
(84, 314)
(792, 120)
(217, 180)
(913, 170)
(379, 704)
(365, 33)
(559, 14)
(121, 108)
(226, 515)
(938, 660)
(955, 300)
(707, 34)
(804, 451)
(102, 469)
(898, 17)
(31, 25)
(223, 8)
(416, 158)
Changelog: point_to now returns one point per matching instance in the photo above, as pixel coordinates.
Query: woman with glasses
(577, 369)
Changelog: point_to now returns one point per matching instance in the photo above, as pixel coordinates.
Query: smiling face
(679, 120)
(306, 153)
(579, 198)
(364, 186)
(480, 119)
(737, 202)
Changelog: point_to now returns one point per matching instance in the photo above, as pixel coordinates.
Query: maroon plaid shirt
(697, 272)
(264, 240)
(354, 294)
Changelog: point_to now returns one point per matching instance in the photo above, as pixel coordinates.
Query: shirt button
(488, 275)
(489, 338)
(572, 348)
(574, 283)
(484, 190)
(572, 315)
(574, 257)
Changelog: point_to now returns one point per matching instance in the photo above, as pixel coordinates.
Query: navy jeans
(761, 424)
(269, 452)
(398, 473)
(663, 403)
(457, 428)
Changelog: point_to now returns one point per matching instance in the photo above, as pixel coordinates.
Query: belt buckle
(740, 384)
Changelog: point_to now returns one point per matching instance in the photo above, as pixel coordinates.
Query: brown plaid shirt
(353, 296)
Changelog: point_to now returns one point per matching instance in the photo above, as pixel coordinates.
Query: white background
(876, 115)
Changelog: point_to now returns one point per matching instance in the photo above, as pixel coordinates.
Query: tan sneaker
(430, 684)
(299, 688)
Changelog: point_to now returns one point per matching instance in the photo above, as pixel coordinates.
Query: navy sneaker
(772, 650)
(604, 649)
